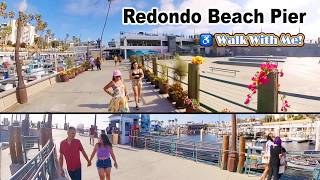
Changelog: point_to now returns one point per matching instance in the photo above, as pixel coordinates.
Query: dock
(142, 164)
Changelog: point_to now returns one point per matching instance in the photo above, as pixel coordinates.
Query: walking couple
(117, 89)
(274, 158)
(95, 62)
(70, 149)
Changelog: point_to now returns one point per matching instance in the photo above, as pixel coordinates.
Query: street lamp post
(104, 27)
(233, 156)
(21, 91)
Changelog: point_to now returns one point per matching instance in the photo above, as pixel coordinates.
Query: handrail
(43, 163)
(33, 163)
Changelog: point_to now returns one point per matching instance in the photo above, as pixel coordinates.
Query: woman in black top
(136, 75)
(274, 164)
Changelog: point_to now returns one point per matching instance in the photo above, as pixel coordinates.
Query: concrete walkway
(85, 94)
(148, 165)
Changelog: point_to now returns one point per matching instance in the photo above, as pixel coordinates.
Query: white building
(147, 43)
(27, 36)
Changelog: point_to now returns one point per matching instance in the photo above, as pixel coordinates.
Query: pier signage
(155, 16)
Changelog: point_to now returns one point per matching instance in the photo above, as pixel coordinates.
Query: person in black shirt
(275, 153)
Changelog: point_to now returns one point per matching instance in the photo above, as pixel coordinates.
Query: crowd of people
(274, 158)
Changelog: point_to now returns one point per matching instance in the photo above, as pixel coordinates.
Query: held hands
(116, 165)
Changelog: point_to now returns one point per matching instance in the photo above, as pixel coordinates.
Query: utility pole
(21, 91)
(104, 27)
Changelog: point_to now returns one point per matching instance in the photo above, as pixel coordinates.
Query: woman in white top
(266, 157)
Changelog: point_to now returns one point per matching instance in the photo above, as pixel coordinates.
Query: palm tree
(7, 30)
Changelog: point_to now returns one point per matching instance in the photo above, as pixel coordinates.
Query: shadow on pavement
(95, 106)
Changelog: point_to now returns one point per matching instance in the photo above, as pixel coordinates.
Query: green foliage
(164, 73)
(70, 62)
(54, 44)
(23, 45)
(180, 69)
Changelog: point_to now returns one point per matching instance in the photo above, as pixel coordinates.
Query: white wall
(27, 35)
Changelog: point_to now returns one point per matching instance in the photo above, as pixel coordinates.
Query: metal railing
(29, 143)
(189, 150)
(239, 87)
(211, 153)
(41, 167)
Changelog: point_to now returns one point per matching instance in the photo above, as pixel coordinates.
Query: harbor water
(216, 141)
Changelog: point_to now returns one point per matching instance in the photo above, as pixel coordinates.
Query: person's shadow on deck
(94, 106)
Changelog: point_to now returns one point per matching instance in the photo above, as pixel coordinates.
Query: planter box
(64, 78)
(164, 88)
(156, 83)
(180, 104)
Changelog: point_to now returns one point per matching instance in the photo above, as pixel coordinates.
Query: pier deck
(85, 94)
(140, 164)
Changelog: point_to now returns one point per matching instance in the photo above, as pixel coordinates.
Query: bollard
(12, 145)
(317, 146)
(18, 142)
(233, 154)
(178, 132)
(242, 156)
(268, 95)
(155, 66)
(201, 135)
(225, 152)
(193, 81)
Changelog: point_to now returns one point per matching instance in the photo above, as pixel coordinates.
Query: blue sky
(85, 17)
(102, 119)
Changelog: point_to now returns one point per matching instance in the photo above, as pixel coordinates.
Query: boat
(286, 139)
(303, 163)
(261, 140)
(299, 137)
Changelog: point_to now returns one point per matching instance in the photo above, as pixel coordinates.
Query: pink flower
(281, 73)
(247, 101)
(264, 80)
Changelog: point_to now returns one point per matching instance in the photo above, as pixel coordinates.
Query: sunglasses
(117, 76)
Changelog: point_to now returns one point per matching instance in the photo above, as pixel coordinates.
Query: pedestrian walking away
(119, 93)
(70, 149)
(92, 63)
(91, 134)
(98, 63)
(115, 58)
(119, 59)
(104, 151)
(136, 75)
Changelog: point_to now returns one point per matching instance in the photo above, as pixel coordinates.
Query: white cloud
(99, 7)
(23, 6)
(309, 27)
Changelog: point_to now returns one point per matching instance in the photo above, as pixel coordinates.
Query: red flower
(247, 101)
(281, 73)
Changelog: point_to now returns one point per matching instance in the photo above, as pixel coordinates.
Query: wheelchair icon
(206, 40)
